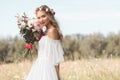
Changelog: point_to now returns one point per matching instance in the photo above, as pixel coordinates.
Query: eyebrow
(41, 16)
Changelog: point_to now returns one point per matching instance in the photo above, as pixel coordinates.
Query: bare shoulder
(53, 33)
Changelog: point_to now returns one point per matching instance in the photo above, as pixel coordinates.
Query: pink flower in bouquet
(39, 24)
(18, 21)
(38, 27)
(38, 38)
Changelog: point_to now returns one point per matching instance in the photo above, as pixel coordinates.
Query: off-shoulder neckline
(51, 38)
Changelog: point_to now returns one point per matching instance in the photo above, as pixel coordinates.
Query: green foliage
(11, 50)
(75, 46)
(91, 46)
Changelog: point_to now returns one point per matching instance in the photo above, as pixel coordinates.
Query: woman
(50, 51)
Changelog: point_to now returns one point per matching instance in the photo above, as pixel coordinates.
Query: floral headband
(47, 9)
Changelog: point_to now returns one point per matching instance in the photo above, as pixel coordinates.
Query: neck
(49, 26)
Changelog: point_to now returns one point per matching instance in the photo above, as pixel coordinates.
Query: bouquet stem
(27, 52)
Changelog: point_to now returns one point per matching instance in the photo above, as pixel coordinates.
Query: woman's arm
(57, 67)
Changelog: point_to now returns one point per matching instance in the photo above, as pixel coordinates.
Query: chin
(45, 24)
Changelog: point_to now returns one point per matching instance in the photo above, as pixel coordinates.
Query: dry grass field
(93, 69)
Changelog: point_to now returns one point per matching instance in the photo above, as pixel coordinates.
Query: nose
(41, 20)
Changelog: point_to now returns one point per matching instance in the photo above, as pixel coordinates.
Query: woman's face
(42, 18)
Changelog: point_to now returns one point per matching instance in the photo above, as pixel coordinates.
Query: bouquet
(30, 30)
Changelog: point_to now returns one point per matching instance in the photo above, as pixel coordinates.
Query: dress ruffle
(50, 53)
(52, 49)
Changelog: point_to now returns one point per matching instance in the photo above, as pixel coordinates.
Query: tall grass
(94, 69)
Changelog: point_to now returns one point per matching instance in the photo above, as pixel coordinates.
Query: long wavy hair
(53, 21)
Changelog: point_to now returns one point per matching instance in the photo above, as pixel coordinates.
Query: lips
(42, 23)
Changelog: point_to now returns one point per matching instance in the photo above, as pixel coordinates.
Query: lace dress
(50, 53)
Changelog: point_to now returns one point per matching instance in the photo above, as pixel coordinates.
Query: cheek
(46, 19)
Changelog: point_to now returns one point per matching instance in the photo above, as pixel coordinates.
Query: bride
(50, 51)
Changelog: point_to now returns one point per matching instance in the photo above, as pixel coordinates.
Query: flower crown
(47, 10)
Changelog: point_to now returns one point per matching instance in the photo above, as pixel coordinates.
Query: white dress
(50, 53)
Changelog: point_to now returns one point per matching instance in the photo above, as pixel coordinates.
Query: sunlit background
(74, 16)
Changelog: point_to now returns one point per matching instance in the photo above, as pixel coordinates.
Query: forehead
(40, 13)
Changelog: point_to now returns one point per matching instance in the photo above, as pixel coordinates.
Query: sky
(73, 16)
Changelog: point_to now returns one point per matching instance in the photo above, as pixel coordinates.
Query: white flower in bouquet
(34, 25)
(32, 22)
(44, 28)
(23, 25)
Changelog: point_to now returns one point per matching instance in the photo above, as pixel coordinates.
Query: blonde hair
(53, 21)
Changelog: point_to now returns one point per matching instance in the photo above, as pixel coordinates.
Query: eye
(43, 16)
(38, 17)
